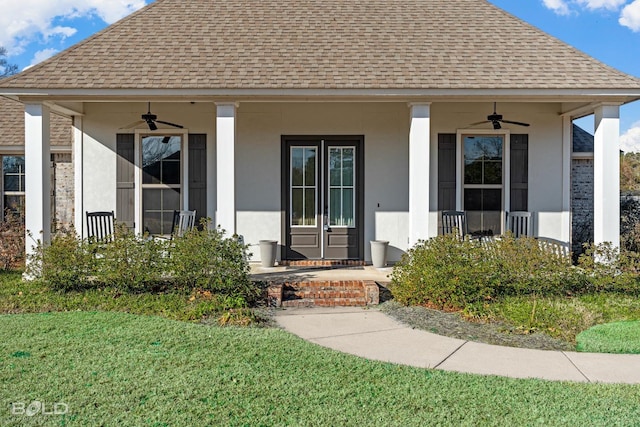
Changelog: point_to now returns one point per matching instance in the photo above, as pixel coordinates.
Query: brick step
(325, 302)
(328, 293)
(319, 293)
(323, 263)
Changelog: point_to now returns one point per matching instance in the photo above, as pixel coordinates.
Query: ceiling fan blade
(133, 125)
(479, 123)
(170, 124)
(515, 123)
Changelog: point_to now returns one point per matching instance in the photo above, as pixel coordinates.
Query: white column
(78, 177)
(225, 167)
(606, 175)
(567, 143)
(38, 172)
(419, 146)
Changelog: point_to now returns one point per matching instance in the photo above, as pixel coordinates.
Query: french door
(323, 197)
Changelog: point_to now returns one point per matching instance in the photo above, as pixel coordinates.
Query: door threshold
(323, 263)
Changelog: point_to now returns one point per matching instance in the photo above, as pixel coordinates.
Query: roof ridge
(69, 50)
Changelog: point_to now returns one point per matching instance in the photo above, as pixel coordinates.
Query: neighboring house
(581, 189)
(13, 175)
(325, 125)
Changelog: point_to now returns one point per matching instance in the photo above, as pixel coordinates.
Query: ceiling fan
(496, 119)
(151, 120)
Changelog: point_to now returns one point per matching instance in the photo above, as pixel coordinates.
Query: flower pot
(268, 251)
(379, 253)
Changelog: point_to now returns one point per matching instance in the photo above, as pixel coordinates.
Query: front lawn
(122, 369)
(616, 337)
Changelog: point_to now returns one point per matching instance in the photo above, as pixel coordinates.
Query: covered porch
(375, 168)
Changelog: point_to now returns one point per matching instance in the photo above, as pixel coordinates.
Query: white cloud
(26, 21)
(630, 16)
(602, 4)
(558, 6)
(41, 55)
(630, 140)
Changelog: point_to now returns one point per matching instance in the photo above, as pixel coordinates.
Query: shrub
(448, 273)
(609, 269)
(443, 272)
(130, 262)
(203, 258)
(11, 240)
(66, 263)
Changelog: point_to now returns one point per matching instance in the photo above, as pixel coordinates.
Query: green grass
(121, 369)
(17, 296)
(563, 317)
(617, 337)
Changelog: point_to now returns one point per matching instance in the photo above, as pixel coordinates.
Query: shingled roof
(321, 44)
(12, 125)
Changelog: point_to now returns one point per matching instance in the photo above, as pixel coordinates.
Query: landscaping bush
(445, 272)
(609, 269)
(130, 263)
(66, 263)
(11, 240)
(203, 258)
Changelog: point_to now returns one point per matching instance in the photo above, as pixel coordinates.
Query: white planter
(379, 253)
(268, 251)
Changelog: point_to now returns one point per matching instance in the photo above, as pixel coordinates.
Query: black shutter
(198, 175)
(519, 172)
(125, 188)
(446, 171)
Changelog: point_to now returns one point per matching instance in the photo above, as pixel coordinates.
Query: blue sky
(609, 30)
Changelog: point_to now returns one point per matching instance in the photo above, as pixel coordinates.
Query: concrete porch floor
(299, 274)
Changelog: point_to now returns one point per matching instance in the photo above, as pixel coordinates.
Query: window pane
(171, 172)
(310, 167)
(347, 167)
(493, 173)
(14, 204)
(153, 222)
(152, 199)
(11, 183)
(158, 207)
(157, 152)
(335, 166)
(492, 200)
(297, 206)
(347, 207)
(13, 164)
(473, 173)
(297, 166)
(335, 197)
(309, 206)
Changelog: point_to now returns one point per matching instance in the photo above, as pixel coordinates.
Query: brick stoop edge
(330, 293)
(323, 263)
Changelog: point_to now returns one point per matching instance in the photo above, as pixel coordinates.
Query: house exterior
(12, 163)
(324, 125)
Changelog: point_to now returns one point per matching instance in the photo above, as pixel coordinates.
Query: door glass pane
(341, 186)
(310, 167)
(297, 206)
(303, 186)
(347, 167)
(484, 208)
(335, 167)
(297, 166)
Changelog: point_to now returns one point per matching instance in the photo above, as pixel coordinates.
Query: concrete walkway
(371, 334)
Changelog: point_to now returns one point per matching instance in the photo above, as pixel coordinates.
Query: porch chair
(100, 226)
(454, 222)
(519, 223)
(183, 221)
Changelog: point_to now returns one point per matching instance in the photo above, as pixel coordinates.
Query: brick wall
(581, 203)
(62, 197)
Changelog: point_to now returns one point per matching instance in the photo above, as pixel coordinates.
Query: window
(161, 182)
(303, 186)
(342, 195)
(13, 178)
(483, 183)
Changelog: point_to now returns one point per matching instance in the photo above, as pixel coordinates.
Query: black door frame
(286, 142)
